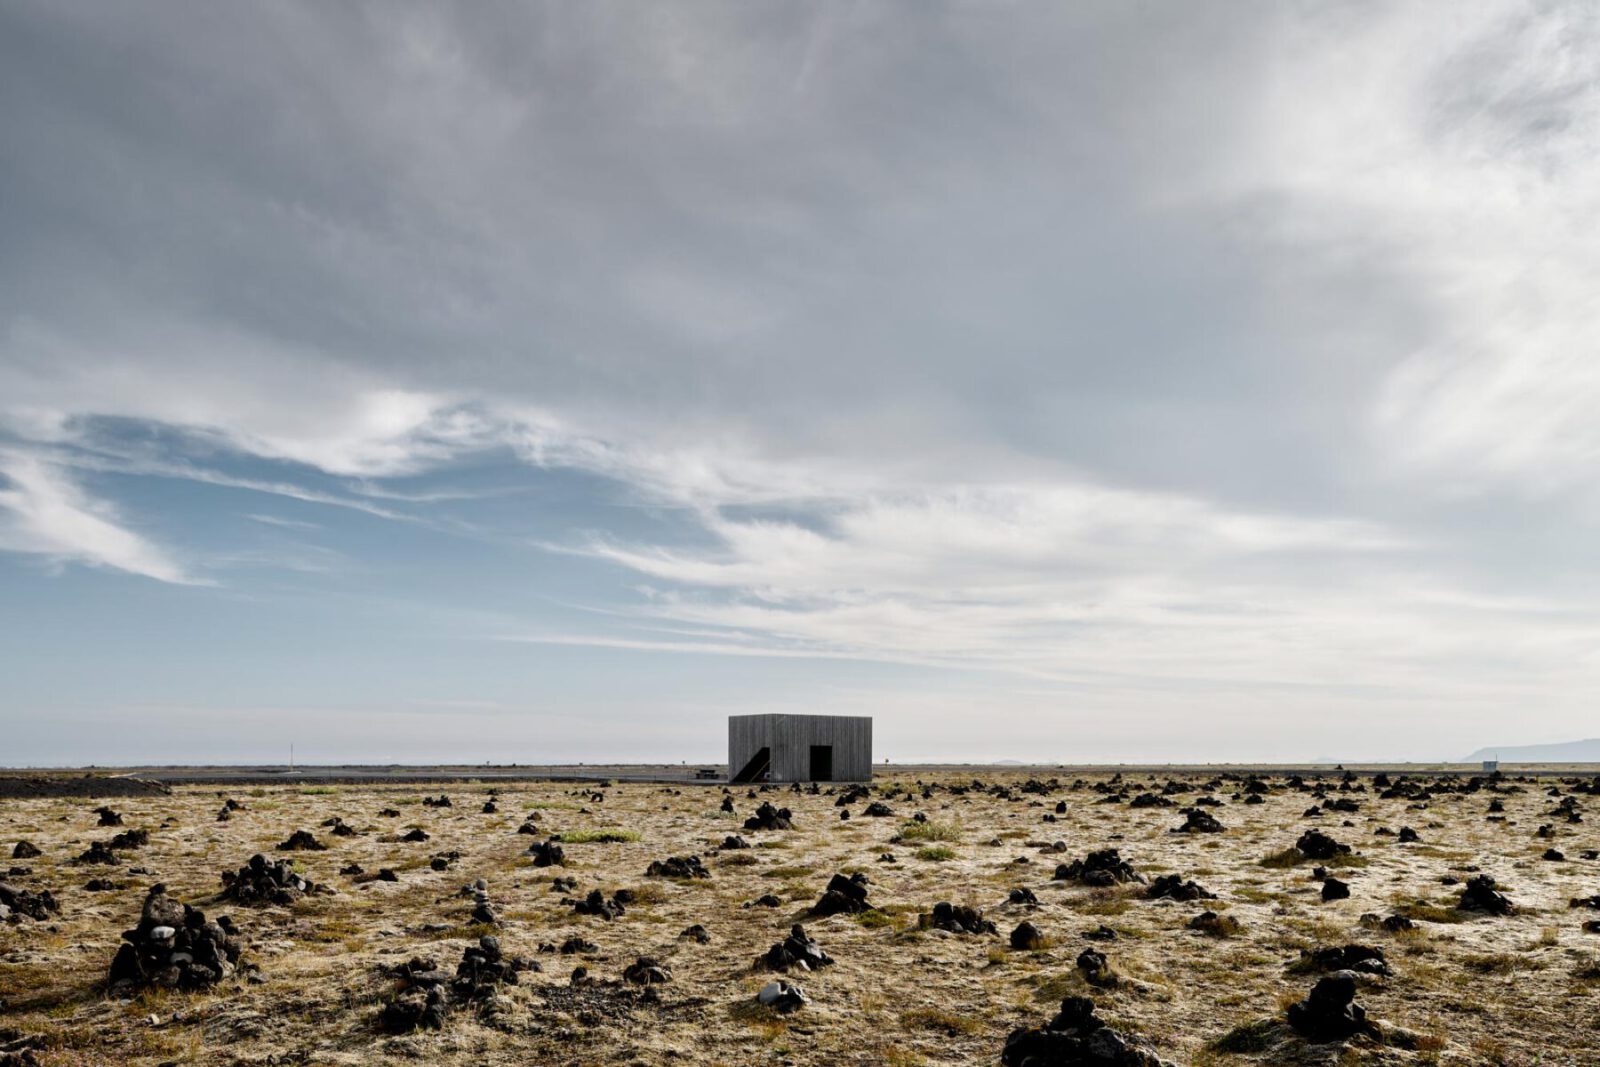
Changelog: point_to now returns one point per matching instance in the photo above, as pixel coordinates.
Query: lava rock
(1199, 821)
(678, 867)
(547, 854)
(1174, 887)
(15, 903)
(302, 841)
(1097, 969)
(768, 817)
(1329, 1012)
(795, 952)
(1316, 845)
(1076, 1038)
(1360, 959)
(782, 996)
(1102, 868)
(173, 947)
(1480, 895)
(646, 971)
(1027, 937)
(958, 919)
(1214, 925)
(843, 895)
(596, 904)
(262, 881)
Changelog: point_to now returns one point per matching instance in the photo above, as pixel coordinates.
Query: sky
(546, 382)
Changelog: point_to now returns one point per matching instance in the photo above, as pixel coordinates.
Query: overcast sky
(1051, 381)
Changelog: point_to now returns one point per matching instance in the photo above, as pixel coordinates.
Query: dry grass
(1476, 989)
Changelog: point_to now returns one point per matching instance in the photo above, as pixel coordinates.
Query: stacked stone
(174, 947)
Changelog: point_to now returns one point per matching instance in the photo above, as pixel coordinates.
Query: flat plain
(1466, 987)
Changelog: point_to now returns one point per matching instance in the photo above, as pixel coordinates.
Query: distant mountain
(1564, 752)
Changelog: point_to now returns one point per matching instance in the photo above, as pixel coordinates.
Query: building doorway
(822, 763)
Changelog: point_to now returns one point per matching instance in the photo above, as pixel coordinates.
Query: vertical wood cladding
(790, 738)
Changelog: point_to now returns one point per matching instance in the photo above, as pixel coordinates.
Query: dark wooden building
(799, 748)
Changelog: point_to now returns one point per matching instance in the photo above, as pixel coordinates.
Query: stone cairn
(1076, 1037)
(768, 817)
(843, 896)
(173, 947)
(264, 881)
(1103, 868)
(795, 952)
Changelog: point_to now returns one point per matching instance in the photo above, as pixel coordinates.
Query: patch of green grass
(936, 853)
(597, 837)
(1248, 1037)
(790, 872)
(1433, 913)
(930, 831)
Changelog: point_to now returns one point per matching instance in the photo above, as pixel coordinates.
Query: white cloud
(43, 512)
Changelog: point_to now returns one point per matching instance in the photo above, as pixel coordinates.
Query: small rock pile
(878, 810)
(1097, 969)
(1076, 1038)
(16, 903)
(173, 947)
(547, 854)
(26, 850)
(1214, 925)
(1172, 886)
(108, 817)
(129, 839)
(843, 896)
(1102, 868)
(302, 841)
(1316, 845)
(958, 919)
(597, 904)
(781, 996)
(264, 881)
(1199, 821)
(1330, 1012)
(678, 867)
(428, 993)
(646, 971)
(1480, 895)
(1360, 959)
(483, 912)
(1027, 937)
(768, 817)
(98, 853)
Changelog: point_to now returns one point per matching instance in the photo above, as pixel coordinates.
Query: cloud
(43, 512)
(1092, 349)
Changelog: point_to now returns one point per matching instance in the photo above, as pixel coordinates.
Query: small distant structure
(1490, 766)
(799, 748)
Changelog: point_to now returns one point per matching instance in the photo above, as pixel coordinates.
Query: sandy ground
(1469, 989)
